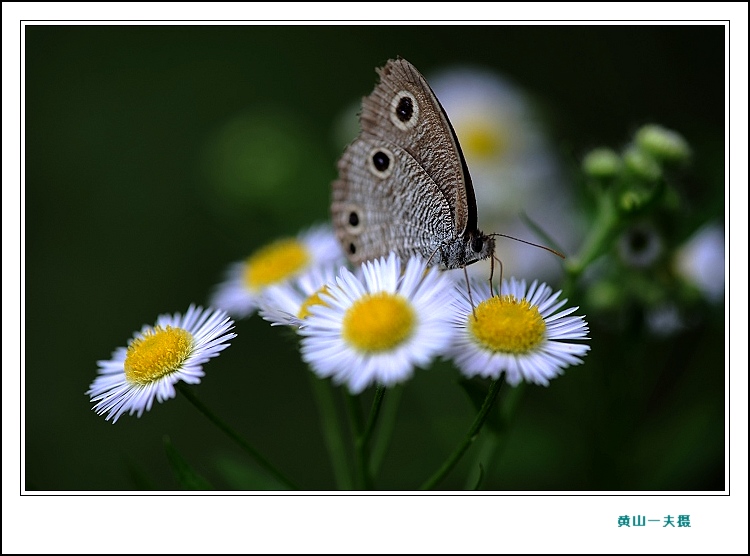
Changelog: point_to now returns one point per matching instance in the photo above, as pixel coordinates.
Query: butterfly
(403, 183)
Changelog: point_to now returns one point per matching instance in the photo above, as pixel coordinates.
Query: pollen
(378, 322)
(157, 353)
(314, 299)
(482, 142)
(507, 325)
(275, 262)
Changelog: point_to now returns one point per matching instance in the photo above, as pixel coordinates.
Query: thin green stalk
(493, 445)
(241, 442)
(362, 434)
(377, 403)
(387, 418)
(476, 426)
(599, 238)
(332, 433)
(357, 427)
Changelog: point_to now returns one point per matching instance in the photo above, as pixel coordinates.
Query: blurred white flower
(273, 264)
(289, 303)
(700, 261)
(513, 169)
(665, 320)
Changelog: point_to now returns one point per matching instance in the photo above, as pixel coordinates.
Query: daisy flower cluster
(377, 323)
(372, 325)
(377, 327)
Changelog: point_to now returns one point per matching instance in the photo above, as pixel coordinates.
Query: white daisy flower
(290, 302)
(239, 295)
(156, 358)
(377, 328)
(519, 332)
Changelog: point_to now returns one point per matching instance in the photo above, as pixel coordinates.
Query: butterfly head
(467, 249)
(480, 247)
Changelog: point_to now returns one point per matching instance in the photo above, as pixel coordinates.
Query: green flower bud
(662, 143)
(641, 164)
(602, 163)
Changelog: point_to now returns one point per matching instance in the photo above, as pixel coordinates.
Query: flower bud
(641, 164)
(602, 163)
(662, 143)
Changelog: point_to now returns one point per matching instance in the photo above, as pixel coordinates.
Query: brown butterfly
(403, 183)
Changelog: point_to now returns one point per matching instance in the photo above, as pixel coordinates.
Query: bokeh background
(157, 155)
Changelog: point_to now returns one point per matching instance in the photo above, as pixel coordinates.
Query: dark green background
(124, 220)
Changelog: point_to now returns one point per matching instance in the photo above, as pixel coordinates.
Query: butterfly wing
(385, 201)
(404, 110)
(403, 183)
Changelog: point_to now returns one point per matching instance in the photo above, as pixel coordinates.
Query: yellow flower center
(507, 325)
(482, 141)
(275, 262)
(378, 322)
(158, 352)
(314, 299)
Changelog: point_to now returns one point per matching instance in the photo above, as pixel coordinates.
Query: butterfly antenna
(553, 251)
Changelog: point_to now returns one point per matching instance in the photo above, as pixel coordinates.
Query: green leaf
(480, 478)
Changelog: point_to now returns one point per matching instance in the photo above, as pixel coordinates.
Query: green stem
(241, 442)
(332, 433)
(604, 228)
(493, 445)
(377, 403)
(476, 426)
(387, 418)
(357, 425)
(362, 434)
